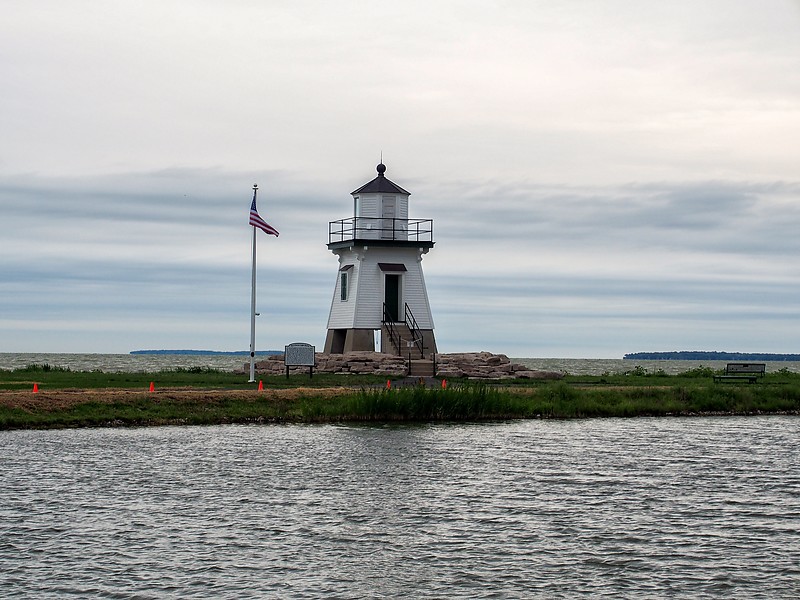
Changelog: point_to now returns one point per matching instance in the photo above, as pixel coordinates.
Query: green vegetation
(53, 377)
(143, 410)
(205, 396)
(417, 403)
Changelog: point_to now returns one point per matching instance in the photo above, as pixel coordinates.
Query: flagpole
(253, 304)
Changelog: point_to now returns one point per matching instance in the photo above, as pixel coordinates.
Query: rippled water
(123, 362)
(682, 507)
(228, 362)
(600, 366)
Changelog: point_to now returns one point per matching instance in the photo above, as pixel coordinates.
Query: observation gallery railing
(378, 228)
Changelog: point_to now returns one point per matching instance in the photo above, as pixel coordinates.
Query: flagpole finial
(255, 186)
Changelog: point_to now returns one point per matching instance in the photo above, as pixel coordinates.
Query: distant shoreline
(676, 355)
(208, 352)
(701, 355)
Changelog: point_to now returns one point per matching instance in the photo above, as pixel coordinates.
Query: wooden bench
(749, 372)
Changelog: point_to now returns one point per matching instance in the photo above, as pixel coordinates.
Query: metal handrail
(416, 334)
(393, 333)
(378, 228)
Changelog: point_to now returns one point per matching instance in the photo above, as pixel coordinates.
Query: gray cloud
(603, 177)
(537, 255)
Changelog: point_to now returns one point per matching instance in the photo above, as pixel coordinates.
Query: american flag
(257, 221)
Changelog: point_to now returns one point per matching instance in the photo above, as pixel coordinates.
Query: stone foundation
(473, 365)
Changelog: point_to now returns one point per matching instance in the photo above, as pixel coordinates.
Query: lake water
(157, 362)
(619, 508)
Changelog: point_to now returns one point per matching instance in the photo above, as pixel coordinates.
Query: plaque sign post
(299, 354)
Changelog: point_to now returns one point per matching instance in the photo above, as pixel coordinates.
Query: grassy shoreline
(204, 397)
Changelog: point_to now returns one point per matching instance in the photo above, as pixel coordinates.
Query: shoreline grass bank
(204, 397)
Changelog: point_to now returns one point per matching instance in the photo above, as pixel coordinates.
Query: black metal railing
(416, 334)
(377, 228)
(394, 335)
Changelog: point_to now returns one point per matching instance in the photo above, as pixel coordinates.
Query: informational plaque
(299, 354)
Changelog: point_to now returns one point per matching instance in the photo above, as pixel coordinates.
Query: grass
(231, 399)
(52, 377)
(456, 403)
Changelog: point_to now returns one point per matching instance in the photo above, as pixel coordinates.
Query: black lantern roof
(380, 185)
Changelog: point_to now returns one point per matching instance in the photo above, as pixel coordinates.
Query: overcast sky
(604, 176)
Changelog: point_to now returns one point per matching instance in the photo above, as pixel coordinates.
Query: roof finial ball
(381, 168)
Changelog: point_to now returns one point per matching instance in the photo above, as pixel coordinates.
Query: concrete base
(340, 341)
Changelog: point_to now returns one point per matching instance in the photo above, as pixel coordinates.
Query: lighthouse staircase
(406, 339)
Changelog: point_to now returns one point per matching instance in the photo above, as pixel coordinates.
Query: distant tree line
(713, 355)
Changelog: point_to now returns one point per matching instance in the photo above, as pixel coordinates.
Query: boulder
(473, 365)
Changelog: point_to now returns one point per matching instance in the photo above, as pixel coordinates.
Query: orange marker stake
(388, 384)
(260, 386)
(152, 387)
(35, 388)
(444, 384)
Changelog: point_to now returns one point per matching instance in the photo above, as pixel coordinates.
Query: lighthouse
(379, 286)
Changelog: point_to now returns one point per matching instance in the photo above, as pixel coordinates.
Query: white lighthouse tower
(380, 286)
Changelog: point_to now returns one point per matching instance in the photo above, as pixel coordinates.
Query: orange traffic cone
(152, 387)
(35, 388)
(260, 386)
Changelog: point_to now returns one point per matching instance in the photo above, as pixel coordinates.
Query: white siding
(370, 207)
(363, 308)
(402, 207)
(342, 313)
(369, 310)
(370, 294)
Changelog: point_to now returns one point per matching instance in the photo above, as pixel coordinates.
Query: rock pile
(485, 365)
(361, 363)
(474, 365)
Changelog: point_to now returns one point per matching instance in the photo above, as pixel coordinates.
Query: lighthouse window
(343, 276)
